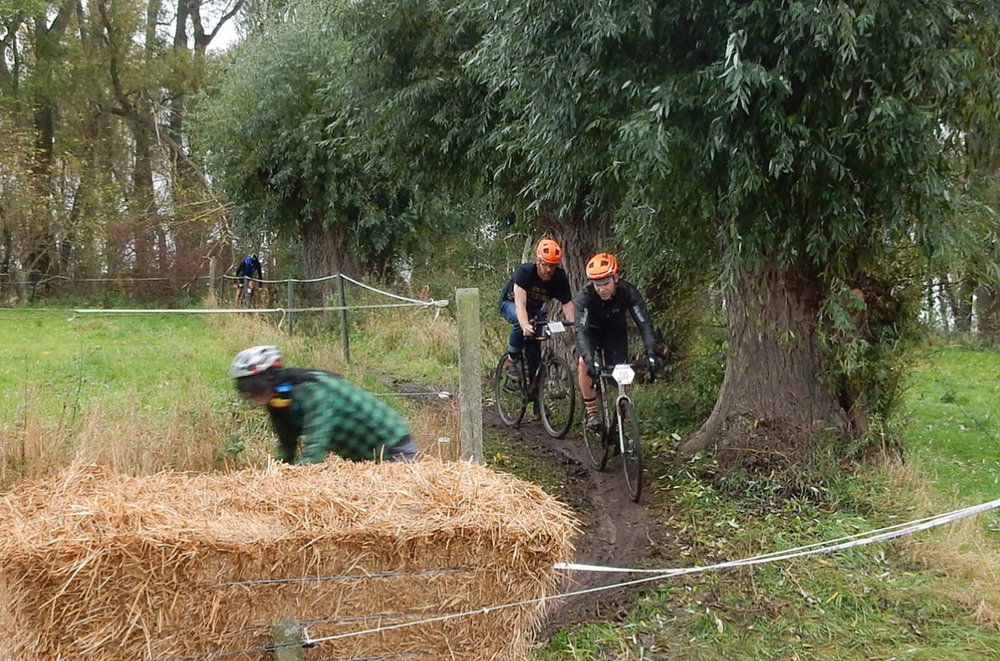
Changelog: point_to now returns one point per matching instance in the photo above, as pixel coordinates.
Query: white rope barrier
(283, 280)
(440, 304)
(840, 544)
(407, 302)
(444, 394)
(327, 308)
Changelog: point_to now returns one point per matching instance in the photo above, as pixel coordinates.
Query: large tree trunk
(988, 313)
(325, 252)
(772, 393)
(580, 236)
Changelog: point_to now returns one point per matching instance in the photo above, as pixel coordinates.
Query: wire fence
(288, 299)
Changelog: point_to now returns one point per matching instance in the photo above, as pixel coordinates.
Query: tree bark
(324, 252)
(580, 236)
(40, 258)
(960, 300)
(772, 392)
(987, 313)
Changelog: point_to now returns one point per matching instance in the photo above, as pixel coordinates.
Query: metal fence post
(470, 389)
(289, 307)
(343, 319)
(287, 639)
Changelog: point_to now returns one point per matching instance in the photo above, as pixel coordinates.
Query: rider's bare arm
(521, 308)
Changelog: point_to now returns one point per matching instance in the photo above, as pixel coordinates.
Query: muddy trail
(614, 531)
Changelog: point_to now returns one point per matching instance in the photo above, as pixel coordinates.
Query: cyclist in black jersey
(601, 307)
(525, 295)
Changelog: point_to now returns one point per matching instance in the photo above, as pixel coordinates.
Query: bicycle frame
(618, 419)
(623, 375)
(551, 390)
(544, 330)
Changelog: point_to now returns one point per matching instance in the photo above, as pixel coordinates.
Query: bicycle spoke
(631, 448)
(510, 401)
(558, 396)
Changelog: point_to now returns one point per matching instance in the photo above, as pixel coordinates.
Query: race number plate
(623, 374)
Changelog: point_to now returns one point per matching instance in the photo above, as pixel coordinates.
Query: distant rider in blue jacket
(248, 274)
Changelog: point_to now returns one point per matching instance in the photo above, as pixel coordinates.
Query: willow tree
(435, 110)
(298, 165)
(804, 140)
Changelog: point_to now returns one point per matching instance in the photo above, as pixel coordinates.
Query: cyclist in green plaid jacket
(326, 412)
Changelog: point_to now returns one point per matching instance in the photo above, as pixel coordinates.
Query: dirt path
(615, 531)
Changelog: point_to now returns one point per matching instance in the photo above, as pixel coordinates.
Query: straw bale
(102, 566)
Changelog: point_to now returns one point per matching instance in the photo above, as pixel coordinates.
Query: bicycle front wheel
(596, 439)
(558, 396)
(631, 448)
(507, 392)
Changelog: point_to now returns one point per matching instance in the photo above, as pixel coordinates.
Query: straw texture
(102, 566)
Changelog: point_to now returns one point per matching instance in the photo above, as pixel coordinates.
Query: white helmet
(255, 360)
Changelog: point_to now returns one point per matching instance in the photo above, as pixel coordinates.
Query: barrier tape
(839, 544)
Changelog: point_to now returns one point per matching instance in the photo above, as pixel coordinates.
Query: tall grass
(146, 393)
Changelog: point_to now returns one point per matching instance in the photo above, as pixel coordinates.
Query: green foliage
(870, 326)
(424, 118)
(295, 159)
(684, 395)
(271, 168)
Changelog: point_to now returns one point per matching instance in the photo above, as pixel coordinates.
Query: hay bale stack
(97, 565)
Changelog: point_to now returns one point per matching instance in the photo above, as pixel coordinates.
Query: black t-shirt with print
(539, 291)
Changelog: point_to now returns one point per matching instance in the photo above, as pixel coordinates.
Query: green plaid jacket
(332, 415)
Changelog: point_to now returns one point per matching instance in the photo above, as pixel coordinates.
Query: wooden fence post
(211, 280)
(470, 389)
(287, 639)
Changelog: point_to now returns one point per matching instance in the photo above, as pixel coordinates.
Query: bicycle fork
(616, 433)
(619, 430)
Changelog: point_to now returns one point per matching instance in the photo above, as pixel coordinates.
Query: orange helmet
(548, 252)
(602, 265)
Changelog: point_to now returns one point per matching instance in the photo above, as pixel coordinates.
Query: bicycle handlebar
(542, 327)
(607, 369)
(542, 321)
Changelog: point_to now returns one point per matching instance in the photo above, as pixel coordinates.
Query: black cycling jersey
(599, 322)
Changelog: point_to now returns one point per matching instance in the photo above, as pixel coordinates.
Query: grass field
(149, 392)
